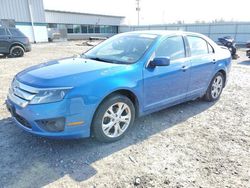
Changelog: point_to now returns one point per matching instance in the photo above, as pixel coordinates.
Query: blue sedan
(100, 93)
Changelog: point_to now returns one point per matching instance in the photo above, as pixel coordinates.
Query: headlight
(48, 96)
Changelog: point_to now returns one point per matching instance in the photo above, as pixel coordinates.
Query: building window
(109, 29)
(61, 26)
(102, 29)
(69, 28)
(97, 29)
(84, 28)
(52, 25)
(90, 29)
(76, 28)
(114, 29)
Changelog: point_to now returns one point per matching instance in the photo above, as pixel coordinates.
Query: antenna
(138, 9)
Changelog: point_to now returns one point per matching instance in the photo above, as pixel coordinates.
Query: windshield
(124, 48)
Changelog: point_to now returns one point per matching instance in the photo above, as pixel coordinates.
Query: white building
(30, 17)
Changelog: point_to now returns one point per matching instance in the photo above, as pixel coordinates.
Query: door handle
(184, 68)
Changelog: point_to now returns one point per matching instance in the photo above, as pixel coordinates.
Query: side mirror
(159, 61)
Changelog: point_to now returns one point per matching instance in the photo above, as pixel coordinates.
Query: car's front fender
(94, 92)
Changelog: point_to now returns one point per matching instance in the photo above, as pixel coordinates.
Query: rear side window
(198, 46)
(16, 33)
(2, 32)
(172, 47)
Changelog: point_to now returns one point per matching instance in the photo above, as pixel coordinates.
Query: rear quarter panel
(224, 59)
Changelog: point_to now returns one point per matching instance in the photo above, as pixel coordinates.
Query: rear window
(16, 33)
(2, 32)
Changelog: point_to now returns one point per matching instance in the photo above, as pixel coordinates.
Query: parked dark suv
(13, 42)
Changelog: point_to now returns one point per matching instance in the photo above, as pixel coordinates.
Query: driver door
(167, 85)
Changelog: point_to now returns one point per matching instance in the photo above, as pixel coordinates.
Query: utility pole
(138, 9)
(32, 21)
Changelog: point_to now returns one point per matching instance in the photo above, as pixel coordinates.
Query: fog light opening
(52, 125)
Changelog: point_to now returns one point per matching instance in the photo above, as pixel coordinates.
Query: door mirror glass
(160, 61)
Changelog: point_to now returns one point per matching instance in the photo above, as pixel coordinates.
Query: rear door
(203, 63)
(4, 41)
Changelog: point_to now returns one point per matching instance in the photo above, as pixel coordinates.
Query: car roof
(165, 32)
(8, 27)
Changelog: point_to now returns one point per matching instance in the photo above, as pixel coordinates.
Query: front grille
(21, 94)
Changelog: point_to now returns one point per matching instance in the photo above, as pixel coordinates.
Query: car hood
(67, 72)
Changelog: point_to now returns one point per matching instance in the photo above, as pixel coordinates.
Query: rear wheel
(113, 118)
(215, 87)
(16, 51)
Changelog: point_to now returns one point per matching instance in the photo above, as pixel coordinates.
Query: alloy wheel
(116, 119)
(17, 52)
(217, 86)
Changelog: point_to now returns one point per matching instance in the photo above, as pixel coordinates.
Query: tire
(16, 51)
(215, 88)
(107, 124)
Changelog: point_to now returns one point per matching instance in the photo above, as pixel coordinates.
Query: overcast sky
(159, 11)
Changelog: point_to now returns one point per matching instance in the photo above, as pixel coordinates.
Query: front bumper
(28, 47)
(72, 110)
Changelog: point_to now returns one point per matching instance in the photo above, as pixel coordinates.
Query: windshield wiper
(103, 59)
(97, 59)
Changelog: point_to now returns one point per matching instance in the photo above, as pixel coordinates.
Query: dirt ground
(196, 144)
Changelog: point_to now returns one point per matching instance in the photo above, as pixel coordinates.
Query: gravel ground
(196, 144)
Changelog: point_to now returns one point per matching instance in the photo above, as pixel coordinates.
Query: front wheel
(113, 118)
(215, 88)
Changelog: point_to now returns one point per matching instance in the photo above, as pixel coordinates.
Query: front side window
(198, 46)
(124, 49)
(2, 32)
(172, 47)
